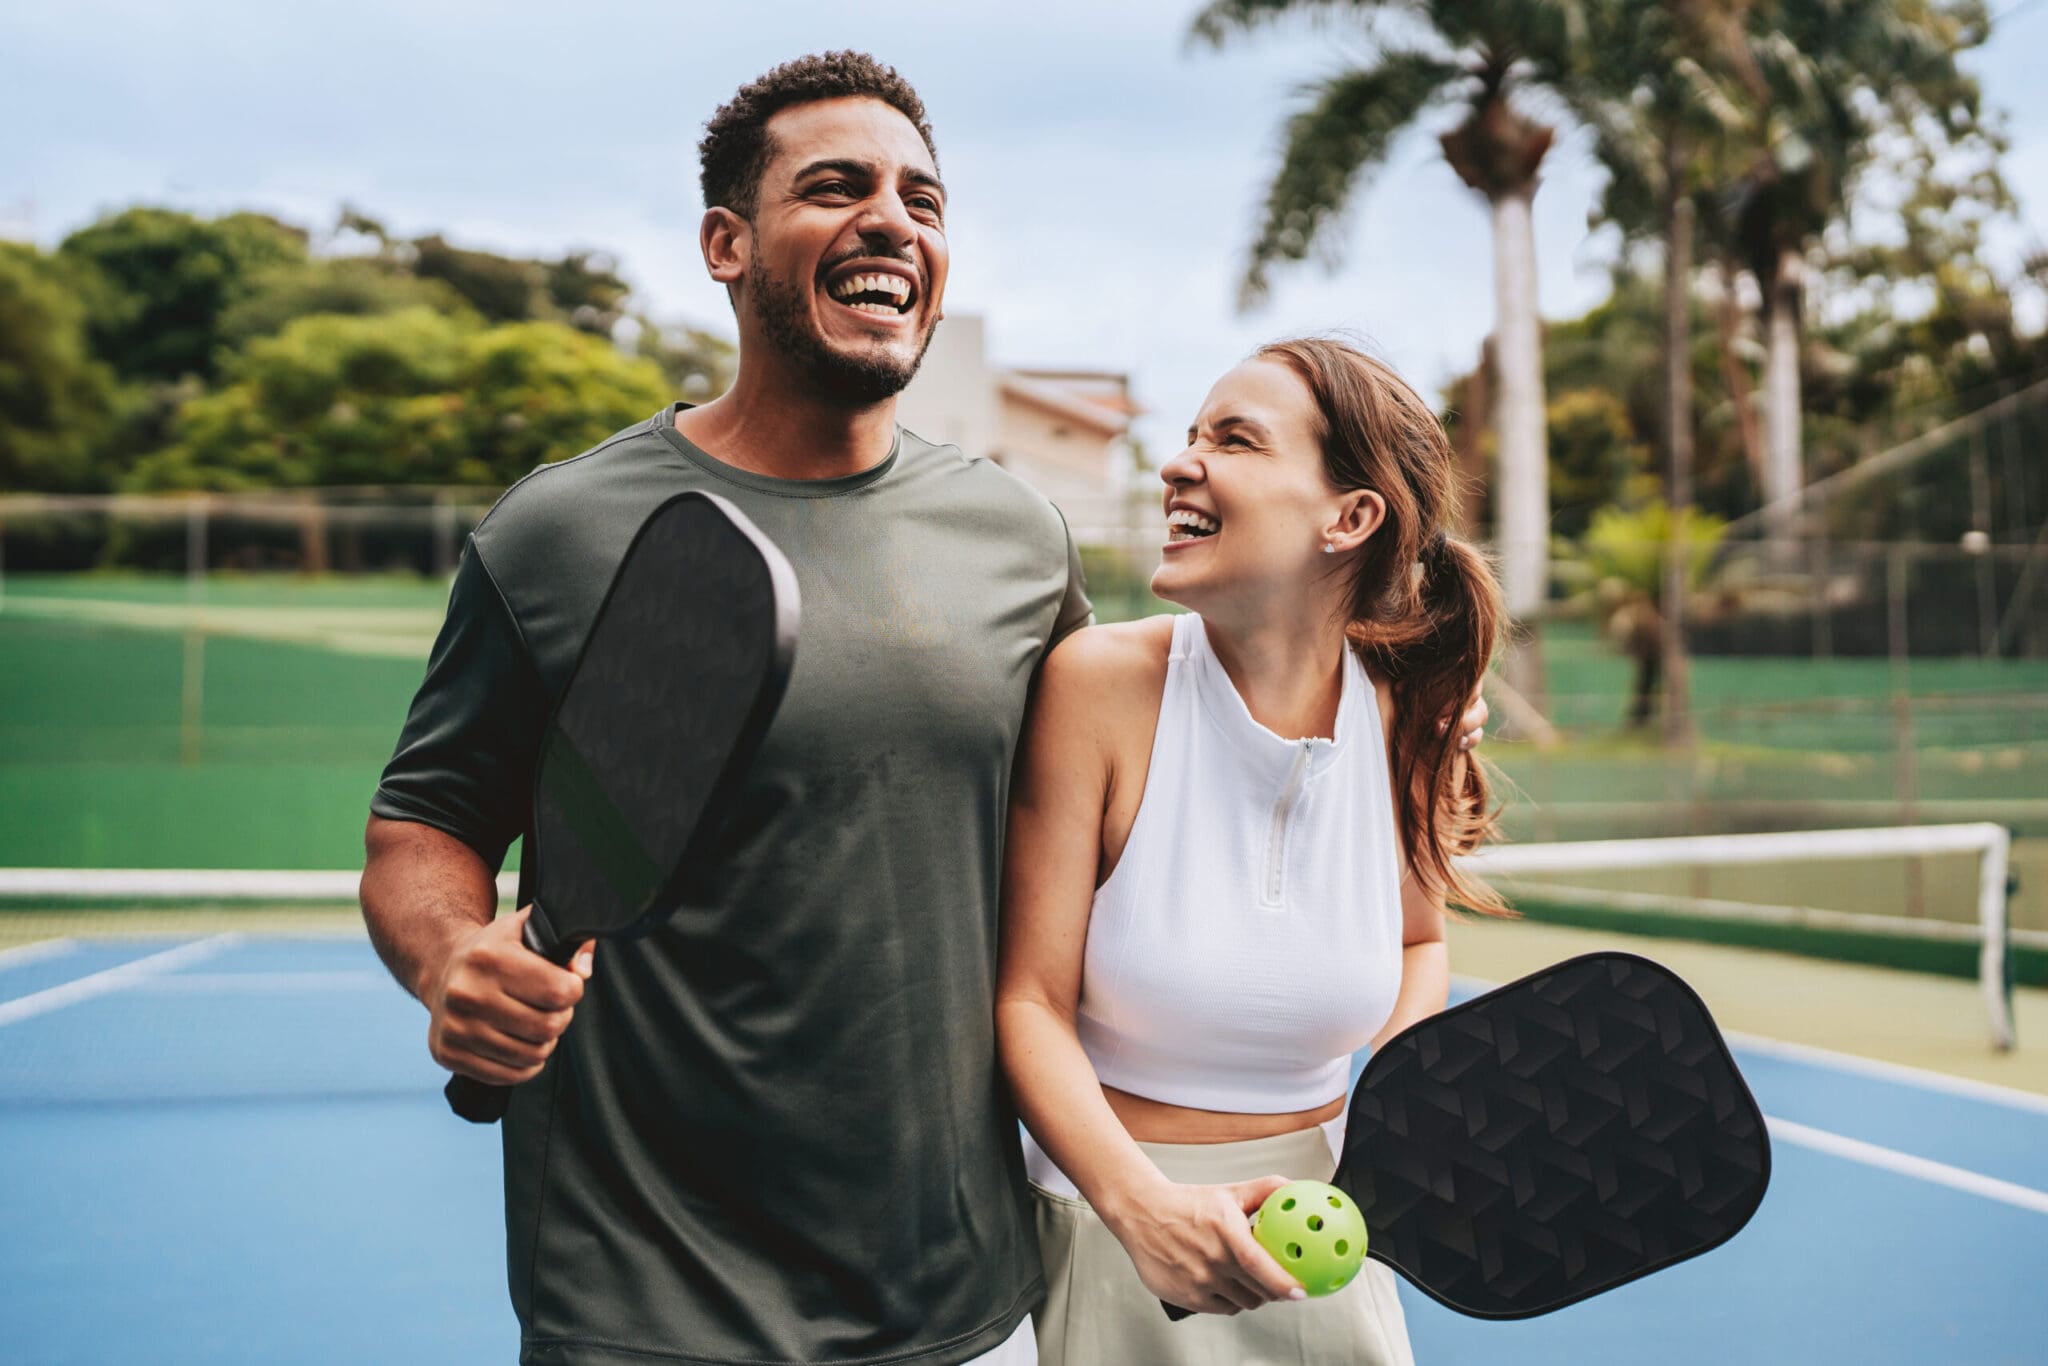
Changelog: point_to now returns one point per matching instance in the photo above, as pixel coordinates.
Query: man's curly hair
(736, 148)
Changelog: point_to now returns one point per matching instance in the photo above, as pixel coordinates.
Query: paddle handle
(481, 1102)
(1173, 1311)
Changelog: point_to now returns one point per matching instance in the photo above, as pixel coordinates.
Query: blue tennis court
(234, 1149)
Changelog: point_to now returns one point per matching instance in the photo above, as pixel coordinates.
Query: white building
(1065, 432)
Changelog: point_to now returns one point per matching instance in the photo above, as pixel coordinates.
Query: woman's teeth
(1184, 524)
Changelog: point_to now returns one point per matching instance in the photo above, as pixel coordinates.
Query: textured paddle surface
(683, 666)
(1553, 1139)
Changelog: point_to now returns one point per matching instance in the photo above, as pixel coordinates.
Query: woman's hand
(1193, 1246)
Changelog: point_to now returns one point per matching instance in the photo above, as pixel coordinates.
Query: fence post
(1906, 776)
(192, 687)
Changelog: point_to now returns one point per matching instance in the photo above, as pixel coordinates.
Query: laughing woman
(1229, 854)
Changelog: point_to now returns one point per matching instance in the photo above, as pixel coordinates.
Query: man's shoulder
(978, 482)
(586, 493)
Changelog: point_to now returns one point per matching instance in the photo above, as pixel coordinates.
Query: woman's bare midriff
(1153, 1121)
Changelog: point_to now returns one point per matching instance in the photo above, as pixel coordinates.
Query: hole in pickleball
(1315, 1223)
(1288, 1203)
(1335, 1203)
(1342, 1247)
(1294, 1251)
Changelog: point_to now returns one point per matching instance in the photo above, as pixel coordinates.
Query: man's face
(847, 263)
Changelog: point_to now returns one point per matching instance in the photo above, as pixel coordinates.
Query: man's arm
(497, 1008)
(451, 800)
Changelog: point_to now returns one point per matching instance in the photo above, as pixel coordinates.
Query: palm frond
(1221, 20)
(1348, 125)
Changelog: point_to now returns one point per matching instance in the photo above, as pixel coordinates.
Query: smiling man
(776, 1132)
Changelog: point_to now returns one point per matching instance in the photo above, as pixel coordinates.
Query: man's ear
(726, 239)
(1357, 519)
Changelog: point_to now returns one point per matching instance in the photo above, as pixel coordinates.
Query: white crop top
(1248, 941)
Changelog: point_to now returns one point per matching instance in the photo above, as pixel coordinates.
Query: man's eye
(836, 187)
(924, 202)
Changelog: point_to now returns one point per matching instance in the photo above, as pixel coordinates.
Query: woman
(1228, 861)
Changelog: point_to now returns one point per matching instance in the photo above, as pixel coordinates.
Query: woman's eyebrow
(1245, 425)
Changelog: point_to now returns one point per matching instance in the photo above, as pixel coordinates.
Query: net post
(1994, 964)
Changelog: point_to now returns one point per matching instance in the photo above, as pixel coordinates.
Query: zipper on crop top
(1273, 887)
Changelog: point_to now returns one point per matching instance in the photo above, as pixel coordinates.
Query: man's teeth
(895, 287)
(1185, 523)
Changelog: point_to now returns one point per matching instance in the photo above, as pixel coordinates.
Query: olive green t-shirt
(775, 1131)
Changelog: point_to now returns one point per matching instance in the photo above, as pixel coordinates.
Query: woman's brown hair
(1425, 608)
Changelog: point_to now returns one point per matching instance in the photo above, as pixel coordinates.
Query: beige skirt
(1098, 1313)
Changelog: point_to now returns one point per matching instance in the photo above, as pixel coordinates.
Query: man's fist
(498, 1007)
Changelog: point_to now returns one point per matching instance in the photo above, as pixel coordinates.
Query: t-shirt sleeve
(1075, 609)
(464, 762)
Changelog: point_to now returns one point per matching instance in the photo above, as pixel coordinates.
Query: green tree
(1664, 102)
(1484, 58)
(348, 286)
(1622, 567)
(1595, 458)
(410, 397)
(56, 399)
(156, 282)
(1830, 81)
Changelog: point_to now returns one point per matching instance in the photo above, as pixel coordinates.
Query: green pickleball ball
(1315, 1231)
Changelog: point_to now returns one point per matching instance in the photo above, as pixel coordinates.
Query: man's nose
(885, 221)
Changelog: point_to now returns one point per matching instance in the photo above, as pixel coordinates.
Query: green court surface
(144, 725)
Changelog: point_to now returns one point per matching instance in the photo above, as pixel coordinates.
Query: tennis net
(1931, 898)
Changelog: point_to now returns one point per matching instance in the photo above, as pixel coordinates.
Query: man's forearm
(423, 892)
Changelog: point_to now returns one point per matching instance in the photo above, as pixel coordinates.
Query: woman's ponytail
(1434, 658)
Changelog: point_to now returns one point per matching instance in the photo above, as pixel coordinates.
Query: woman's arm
(1425, 959)
(1191, 1244)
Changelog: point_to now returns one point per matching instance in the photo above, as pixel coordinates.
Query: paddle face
(679, 677)
(677, 682)
(1555, 1138)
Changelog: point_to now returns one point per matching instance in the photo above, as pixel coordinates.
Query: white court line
(112, 979)
(36, 952)
(1896, 1072)
(1905, 1164)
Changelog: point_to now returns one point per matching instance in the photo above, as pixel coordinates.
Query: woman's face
(1248, 507)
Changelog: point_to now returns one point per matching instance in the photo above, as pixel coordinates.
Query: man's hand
(1471, 726)
(498, 1007)
(1193, 1246)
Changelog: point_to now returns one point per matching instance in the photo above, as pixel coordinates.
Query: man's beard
(858, 381)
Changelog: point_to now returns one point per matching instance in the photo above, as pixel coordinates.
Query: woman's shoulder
(1119, 651)
(1112, 674)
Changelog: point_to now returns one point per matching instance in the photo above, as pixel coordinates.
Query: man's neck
(769, 423)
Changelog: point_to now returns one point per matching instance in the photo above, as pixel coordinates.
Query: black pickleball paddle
(677, 682)
(1553, 1139)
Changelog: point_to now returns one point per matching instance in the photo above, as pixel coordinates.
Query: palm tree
(1831, 79)
(1476, 56)
(1671, 88)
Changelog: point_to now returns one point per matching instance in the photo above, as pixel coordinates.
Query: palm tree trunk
(1783, 472)
(1522, 510)
(1522, 502)
(1678, 233)
(1735, 375)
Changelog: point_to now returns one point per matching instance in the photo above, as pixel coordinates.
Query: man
(776, 1133)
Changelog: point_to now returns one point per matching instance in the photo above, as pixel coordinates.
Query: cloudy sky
(1104, 176)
